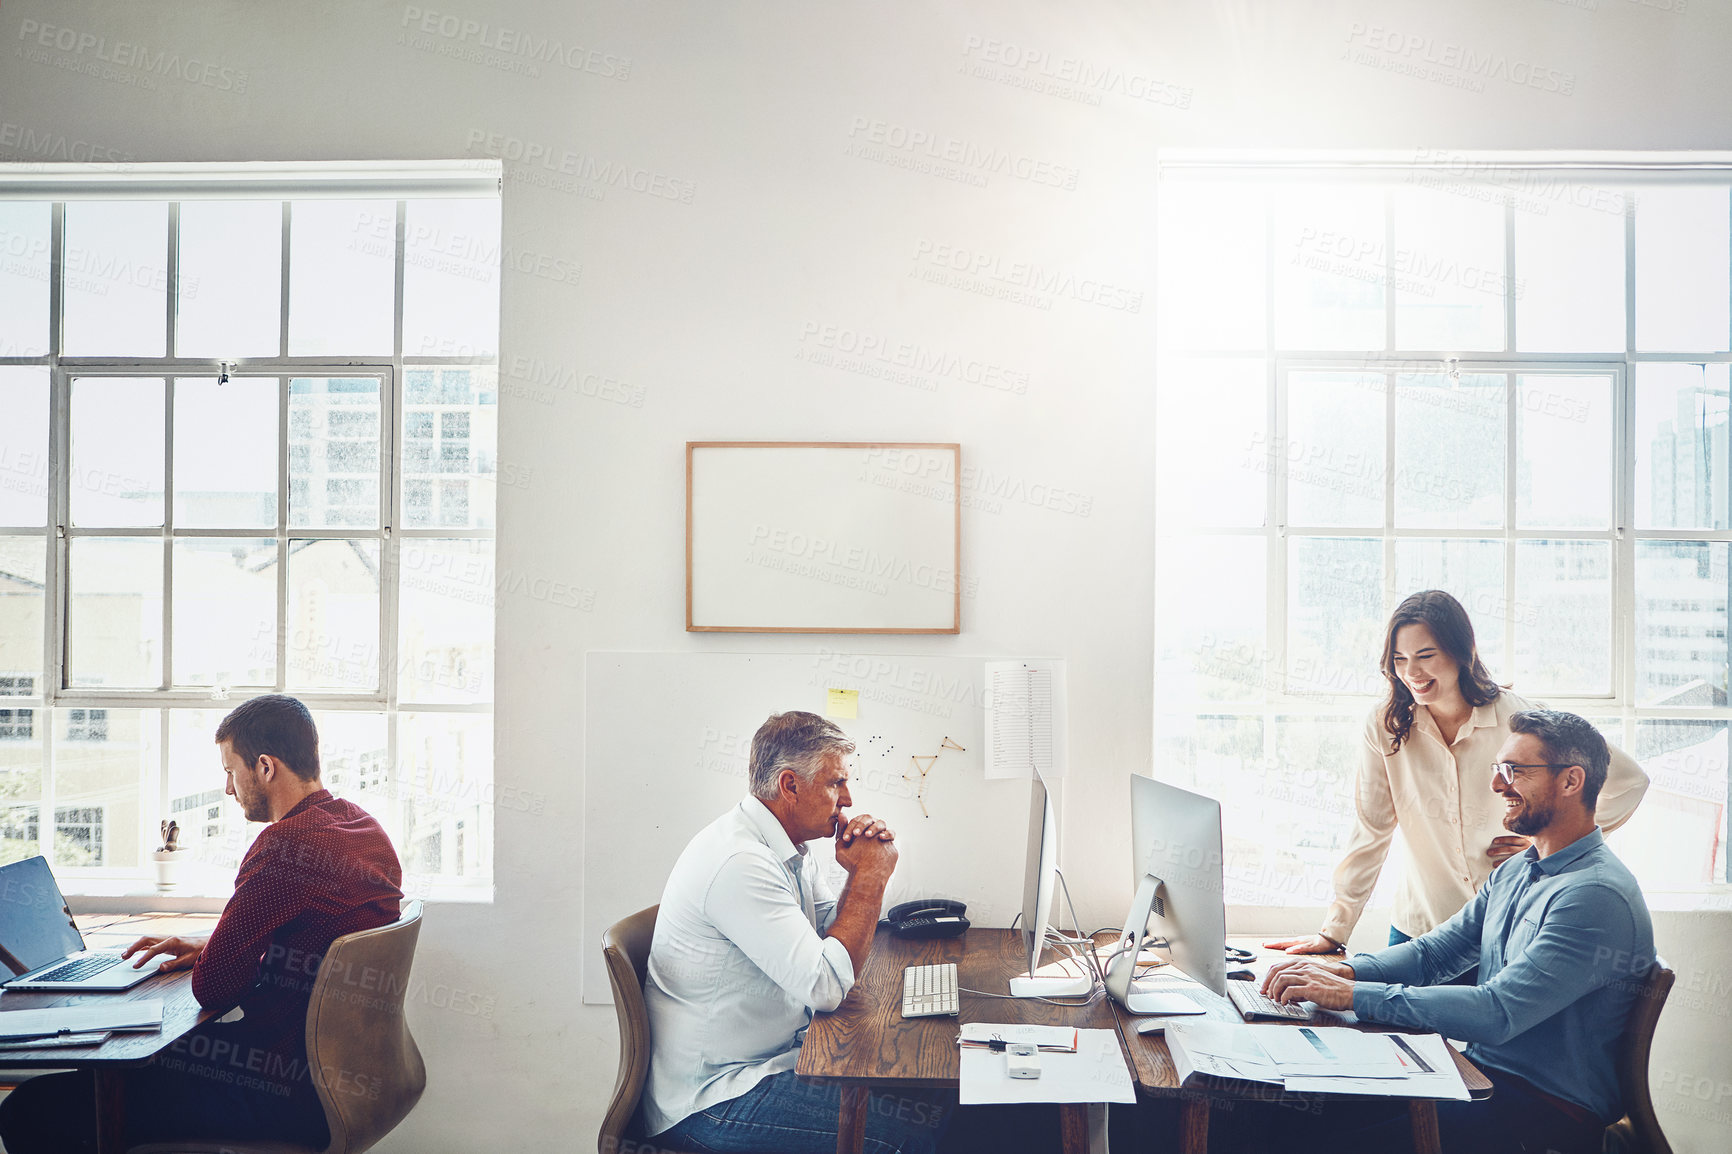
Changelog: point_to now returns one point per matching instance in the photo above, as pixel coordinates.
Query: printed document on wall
(1025, 718)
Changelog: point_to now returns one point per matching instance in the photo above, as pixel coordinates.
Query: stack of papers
(144, 1014)
(1075, 1066)
(1318, 1059)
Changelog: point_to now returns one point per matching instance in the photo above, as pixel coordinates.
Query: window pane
(1676, 838)
(1681, 654)
(445, 765)
(117, 451)
(24, 250)
(1296, 820)
(1449, 451)
(1682, 255)
(1217, 480)
(21, 737)
(1569, 261)
(334, 431)
(116, 279)
(342, 276)
(103, 759)
(225, 453)
(231, 278)
(445, 626)
(1471, 572)
(1211, 643)
(355, 757)
(1563, 452)
(333, 615)
(225, 611)
(1681, 462)
(451, 278)
(1565, 644)
(1449, 271)
(114, 624)
(450, 430)
(1329, 268)
(23, 579)
(24, 445)
(212, 827)
(1213, 266)
(1334, 449)
(1334, 615)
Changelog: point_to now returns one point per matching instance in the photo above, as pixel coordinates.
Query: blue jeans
(783, 1115)
(1471, 978)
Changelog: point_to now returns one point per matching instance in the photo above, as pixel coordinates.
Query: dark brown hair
(277, 725)
(1569, 740)
(1449, 623)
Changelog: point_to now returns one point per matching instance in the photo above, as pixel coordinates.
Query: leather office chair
(355, 1030)
(626, 946)
(1638, 1131)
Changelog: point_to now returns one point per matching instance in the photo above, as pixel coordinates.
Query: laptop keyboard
(79, 968)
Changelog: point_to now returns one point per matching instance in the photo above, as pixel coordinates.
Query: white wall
(699, 310)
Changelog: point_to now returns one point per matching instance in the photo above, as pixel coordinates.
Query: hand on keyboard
(1329, 984)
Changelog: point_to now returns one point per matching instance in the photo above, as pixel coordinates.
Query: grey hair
(1569, 740)
(796, 741)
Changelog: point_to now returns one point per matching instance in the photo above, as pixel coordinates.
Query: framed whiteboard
(823, 537)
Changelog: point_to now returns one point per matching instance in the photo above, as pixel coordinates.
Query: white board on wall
(823, 537)
(665, 752)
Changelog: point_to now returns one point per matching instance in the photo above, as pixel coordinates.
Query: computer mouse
(1152, 1026)
(1241, 976)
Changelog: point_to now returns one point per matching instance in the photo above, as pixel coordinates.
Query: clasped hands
(865, 842)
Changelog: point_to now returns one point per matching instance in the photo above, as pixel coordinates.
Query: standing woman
(1426, 766)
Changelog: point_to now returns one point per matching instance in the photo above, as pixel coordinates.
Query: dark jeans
(55, 1113)
(1514, 1120)
(1471, 978)
(783, 1115)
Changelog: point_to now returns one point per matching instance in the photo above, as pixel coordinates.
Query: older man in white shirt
(750, 941)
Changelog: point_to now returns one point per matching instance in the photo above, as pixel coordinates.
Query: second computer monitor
(1040, 866)
(1176, 854)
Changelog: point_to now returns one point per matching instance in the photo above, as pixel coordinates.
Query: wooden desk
(1152, 1064)
(866, 1045)
(180, 1014)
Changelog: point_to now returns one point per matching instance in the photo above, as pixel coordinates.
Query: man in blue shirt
(1563, 942)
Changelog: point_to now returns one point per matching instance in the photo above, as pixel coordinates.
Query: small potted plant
(168, 858)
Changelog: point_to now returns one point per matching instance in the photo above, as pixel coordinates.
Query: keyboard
(79, 968)
(1252, 1005)
(929, 990)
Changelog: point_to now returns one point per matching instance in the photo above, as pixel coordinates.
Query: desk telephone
(928, 918)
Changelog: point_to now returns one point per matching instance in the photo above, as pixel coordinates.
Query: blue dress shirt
(1563, 944)
(737, 964)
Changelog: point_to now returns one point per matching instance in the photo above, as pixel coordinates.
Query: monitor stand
(1069, 978)
(1124, 964)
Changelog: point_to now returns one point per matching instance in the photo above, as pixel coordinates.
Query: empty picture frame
(823, 537)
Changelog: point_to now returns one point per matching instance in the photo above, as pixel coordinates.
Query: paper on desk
(1223, 1049)
(1095, 1073)
(1331, 1051)
(145, 1014)
(1444, 1080)
(1056, 1037)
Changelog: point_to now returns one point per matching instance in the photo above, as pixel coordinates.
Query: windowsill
(132, 896)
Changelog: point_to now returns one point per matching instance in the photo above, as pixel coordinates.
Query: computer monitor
(1176, 849)
(1039, 870)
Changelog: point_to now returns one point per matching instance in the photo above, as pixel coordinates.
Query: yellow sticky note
(843, 703)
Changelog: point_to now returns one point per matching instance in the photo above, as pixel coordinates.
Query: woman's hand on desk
(1309, 944)
(1329, 984)
(179, 953)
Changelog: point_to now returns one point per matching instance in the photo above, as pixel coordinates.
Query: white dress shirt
(1440, 795)
(737, 965)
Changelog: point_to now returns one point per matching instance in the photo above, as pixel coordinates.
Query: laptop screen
(35, 927)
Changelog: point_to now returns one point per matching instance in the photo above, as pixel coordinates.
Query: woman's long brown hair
(1449, 623)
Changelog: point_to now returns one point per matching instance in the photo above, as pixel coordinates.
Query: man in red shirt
(322, 868)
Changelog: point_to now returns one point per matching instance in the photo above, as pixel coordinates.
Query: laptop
(41, 944)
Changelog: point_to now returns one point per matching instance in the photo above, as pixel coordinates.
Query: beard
(1529, 819)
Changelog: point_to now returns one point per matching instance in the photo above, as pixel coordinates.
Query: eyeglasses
(1505, 771)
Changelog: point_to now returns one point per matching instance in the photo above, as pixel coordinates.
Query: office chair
(626, 947)
(351, 1029)
(1638, 1131)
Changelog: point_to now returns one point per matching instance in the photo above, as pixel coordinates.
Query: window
(1427, 383)
(247, 506)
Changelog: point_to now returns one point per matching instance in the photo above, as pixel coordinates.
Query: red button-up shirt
(322, 870)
